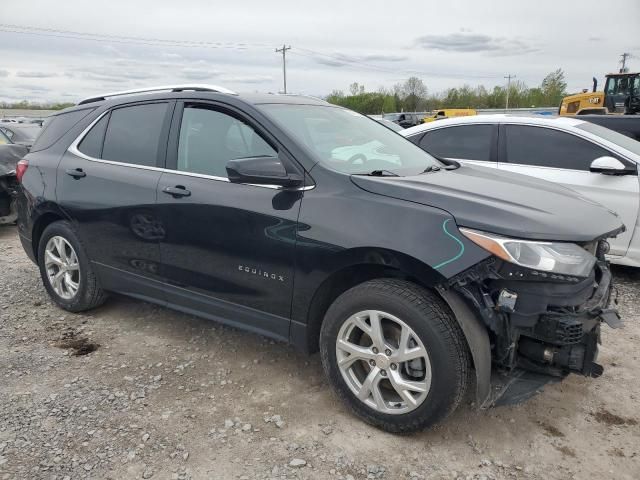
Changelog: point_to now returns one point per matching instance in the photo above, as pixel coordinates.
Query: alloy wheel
(383, 362)
(63, 269)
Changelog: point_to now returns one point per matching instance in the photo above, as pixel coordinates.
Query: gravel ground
(132, 390)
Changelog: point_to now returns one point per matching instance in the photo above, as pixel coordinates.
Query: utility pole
(284, 64)
(624, 62)
(508, 77)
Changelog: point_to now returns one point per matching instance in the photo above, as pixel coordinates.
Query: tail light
(21, 168)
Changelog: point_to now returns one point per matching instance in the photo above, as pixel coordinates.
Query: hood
(504, 203)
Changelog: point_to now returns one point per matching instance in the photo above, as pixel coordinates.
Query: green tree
(414, 93)
(554, 87)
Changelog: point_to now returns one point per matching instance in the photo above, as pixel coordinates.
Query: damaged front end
(541, 325)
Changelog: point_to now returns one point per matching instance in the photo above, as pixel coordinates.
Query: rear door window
(546, 147)
(465, 142)
(133, 134)
(91, 144)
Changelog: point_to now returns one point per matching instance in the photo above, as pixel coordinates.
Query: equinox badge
(261, 273)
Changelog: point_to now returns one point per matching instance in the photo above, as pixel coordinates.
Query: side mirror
(262, 170)
(608, 166)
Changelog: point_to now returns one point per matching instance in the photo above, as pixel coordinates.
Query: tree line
(26, 105)
(413, 96)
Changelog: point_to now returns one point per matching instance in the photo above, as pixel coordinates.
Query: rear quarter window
(56, 126)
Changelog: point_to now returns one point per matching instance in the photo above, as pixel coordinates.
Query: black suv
(315, 225)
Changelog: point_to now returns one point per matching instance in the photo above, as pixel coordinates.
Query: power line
(160, 42)
(284, 64)
(107, 38)
(508, 77)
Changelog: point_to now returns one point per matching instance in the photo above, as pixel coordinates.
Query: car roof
(544, 120)
(202, 92)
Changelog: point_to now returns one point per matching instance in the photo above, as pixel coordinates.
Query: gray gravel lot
(158, 394)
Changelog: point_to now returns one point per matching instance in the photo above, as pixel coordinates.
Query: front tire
(66, 272)
(395, 354)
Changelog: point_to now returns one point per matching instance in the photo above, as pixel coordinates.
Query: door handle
(177, 191)
(76, 172)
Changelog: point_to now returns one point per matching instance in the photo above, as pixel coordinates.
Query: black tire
(431, 319)
(89, 294)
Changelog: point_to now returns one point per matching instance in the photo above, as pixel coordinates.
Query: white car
(600, 164)
(357, 154)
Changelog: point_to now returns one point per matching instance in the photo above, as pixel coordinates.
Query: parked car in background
(600, 164)
(405, 120)
(4, 140)
(211, 202)
(628, 125)
(10, 155)
(387, 123)
(449, 113)
(21, 134)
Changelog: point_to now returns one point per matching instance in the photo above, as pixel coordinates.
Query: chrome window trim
(73, 149)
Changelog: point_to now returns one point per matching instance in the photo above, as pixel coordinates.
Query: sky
(66, 50)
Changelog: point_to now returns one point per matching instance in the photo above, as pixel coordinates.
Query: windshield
(348, 142)
(619, 139)
(621, 85)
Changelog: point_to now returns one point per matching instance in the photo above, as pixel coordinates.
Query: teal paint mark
(457, 240)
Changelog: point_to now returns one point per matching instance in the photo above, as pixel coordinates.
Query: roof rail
(172, 88)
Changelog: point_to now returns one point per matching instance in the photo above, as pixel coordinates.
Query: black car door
(229, 248)
(107, 184)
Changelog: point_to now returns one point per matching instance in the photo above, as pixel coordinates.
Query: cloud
(4, 73)
(198, 74)
(329, 62)
(248, 78)
(380, 58)
(113, 74)
(341, 59)
(32, 88)
(36, 74)
(475, 43)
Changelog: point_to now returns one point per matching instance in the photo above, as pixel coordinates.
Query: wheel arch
(363, 265)
(44, 219)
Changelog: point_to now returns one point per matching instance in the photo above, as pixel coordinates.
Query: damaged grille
(559, 331)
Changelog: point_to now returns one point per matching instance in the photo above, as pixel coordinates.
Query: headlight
(556, 257)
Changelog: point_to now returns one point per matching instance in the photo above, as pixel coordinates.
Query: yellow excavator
(621, 95)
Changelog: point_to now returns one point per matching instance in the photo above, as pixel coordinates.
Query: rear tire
(415, 323)
(66, 272)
